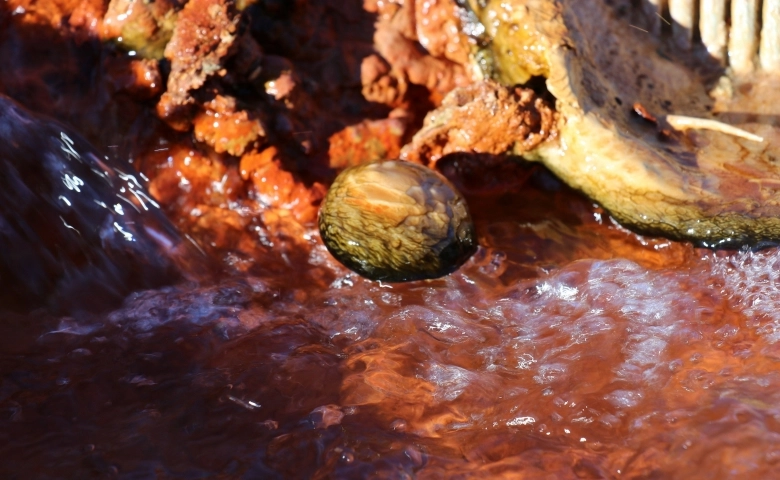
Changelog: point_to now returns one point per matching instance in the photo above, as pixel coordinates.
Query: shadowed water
(565, 346)
(77, 229)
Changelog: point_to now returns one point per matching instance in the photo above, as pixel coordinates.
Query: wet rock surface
(566, 346)
(484, 118)
(396, 221)
(699, 184)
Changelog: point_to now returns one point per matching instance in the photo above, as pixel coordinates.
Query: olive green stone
(396, 221)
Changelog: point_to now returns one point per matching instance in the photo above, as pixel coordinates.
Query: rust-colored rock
(86, 18)
(419, 43)
(380, 84)
(367, 141)
(402, 51)
(483, 118)
(226, 128)
(183, 178)
(282, 87)
(82, 17)
(202, 38)
(439, 30)
(138, 77)
(277, 188)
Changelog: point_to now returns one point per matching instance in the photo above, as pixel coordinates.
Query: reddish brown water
(566, 348)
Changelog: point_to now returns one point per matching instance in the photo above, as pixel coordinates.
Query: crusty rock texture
(483, 118)
(202, 38)
(706, 186)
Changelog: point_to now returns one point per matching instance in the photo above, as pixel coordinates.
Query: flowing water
(566, 347)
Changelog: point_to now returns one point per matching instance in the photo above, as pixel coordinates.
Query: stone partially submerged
(652, 124)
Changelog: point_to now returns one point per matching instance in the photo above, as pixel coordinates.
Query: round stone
(396, 221)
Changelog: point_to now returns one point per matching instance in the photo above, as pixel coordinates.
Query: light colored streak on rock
(680, 122)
